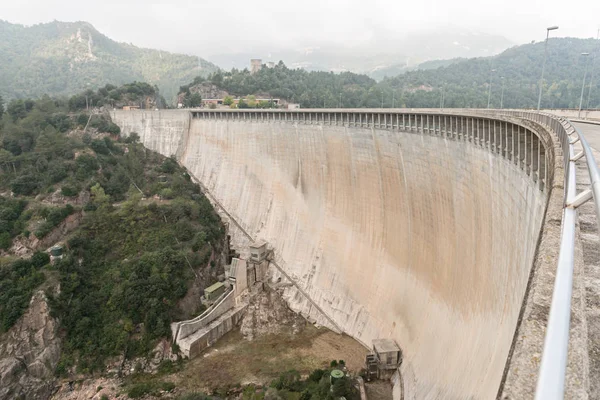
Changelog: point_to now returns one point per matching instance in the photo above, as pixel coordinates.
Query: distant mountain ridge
(514, 75)
(386, 54)
(64, 58)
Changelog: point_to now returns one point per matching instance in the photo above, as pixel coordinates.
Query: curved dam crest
(425, 240)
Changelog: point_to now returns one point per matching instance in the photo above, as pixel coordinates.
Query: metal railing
(551, 378)
(499, 134)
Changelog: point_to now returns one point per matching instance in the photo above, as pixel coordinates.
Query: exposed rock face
(24, 247)
(206, 90)
(267, 314)
(29, 352)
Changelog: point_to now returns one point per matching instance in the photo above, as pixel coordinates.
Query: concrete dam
(421, 227)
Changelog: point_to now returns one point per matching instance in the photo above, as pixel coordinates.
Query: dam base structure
(421, 227)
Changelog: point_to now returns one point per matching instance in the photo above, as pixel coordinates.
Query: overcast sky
(221, 26)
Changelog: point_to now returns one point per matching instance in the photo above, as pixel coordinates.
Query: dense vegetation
(145, 228)
(465, 83)
(316, 386)
(64, 58)
(288, 386)
(139, 94)
(18, 279)
(461, 83)
(310, 89)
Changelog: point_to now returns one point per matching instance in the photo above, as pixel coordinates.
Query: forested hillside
(137, 232)
(310, 89)
(463, 82)
(63, 58)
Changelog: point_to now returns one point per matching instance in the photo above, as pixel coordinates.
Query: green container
(336, 374)
(214, 291)
(56, 251)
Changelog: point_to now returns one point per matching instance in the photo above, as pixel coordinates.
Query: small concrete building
(255, 65)
(385, 359)
(258, 251)
(213, 292)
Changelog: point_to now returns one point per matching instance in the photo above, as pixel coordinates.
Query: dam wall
(423, 236)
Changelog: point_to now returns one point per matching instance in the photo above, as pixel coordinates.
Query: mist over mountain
(384, 54)
(63, 58)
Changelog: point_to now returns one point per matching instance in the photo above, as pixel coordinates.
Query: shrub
(69, 190)
(5, 240)
(168, 166)
(54, 216)
(166, 193)
(87, 166)
(316, 375)
(139, 390)
(99, 146)
(25, 185)
(39, 259)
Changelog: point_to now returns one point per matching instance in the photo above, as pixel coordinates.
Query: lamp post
(382, 99)
(592, 73)
(394, 99)
(490, 87)
(551, 28)
(583, 86)
(442, 98)
(502, 95)
(340, 100)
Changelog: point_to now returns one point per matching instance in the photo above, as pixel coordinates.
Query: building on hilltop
(255, 65)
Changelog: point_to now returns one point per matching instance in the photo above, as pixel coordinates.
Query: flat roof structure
(385, 345)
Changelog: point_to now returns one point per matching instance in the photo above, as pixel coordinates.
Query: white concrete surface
(424, 240)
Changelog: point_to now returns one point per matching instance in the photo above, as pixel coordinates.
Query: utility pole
(490, 87)
(594, 57)
(502, 95)
(583, 85)
(550, 28)
(442, 98)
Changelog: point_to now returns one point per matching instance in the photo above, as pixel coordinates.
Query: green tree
(193, 100)
(228, 100)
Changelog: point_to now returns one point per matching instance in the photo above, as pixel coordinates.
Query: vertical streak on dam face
(421, 239)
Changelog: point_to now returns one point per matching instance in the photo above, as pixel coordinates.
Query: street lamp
(442, 98)
(340, 100)
(551, 28)
(592, 73)
(502, 95)
(382, 99)
(490, 87)
(583, 86)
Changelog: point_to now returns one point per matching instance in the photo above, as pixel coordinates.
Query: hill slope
(64, 58)
(466, 81)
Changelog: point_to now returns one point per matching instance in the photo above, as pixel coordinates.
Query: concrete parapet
(183, 329)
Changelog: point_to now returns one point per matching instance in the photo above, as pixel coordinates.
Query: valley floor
(234, 361)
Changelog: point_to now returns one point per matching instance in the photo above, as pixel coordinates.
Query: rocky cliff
(29, 353)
